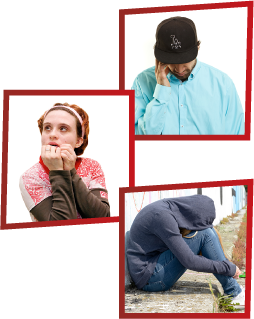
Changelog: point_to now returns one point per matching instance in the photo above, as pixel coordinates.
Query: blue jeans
(168, 269)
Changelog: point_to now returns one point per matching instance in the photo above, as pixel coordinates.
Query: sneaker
(239, 299)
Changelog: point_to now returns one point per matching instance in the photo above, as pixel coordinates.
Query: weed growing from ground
(234, 214)
(239, 251)
(222, 303)
(224, 220)
(225, 304)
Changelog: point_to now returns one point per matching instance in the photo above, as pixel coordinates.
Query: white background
(109, 149)
(222, 32)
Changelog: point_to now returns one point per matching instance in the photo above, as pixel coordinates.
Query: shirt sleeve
(234, 117)
(90, 202)
(61, 205)
(150, 115)
(169, 233)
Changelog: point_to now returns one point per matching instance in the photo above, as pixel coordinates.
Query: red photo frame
(4, 167)
(123, 191)
(248, 96)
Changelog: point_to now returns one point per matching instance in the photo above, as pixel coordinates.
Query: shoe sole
(238, 306)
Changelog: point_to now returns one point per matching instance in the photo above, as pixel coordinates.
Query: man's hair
(85, 123)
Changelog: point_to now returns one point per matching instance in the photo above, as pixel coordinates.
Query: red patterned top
(35, 185)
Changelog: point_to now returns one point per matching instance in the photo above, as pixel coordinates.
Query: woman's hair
(85, 123)
(184, 232)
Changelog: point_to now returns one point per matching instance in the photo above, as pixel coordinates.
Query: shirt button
(181, 125)
(181, 105)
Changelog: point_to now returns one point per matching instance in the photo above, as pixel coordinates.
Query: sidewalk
(191, 293)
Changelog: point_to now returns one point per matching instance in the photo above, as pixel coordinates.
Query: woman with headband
(62, 185)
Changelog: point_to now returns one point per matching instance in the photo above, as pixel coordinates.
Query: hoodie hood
(195, 212)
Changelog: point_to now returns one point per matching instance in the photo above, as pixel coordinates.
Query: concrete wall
(227, 200)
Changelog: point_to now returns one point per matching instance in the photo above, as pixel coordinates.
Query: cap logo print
(176, 44)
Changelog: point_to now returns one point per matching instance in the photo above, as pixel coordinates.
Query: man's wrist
(162, 93)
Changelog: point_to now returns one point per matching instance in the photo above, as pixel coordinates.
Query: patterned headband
(73, 111)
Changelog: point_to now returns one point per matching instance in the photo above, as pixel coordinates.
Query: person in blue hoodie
(158, 254)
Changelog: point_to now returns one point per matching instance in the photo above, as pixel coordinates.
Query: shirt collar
(78, 161)
(191, 76)
(196, 69)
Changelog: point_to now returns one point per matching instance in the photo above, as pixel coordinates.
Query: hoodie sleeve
(166, 228)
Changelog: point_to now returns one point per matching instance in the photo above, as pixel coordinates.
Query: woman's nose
(53, 134)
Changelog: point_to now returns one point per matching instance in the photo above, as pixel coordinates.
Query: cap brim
(176, 58)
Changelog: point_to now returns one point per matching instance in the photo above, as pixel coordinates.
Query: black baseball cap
(176, 41)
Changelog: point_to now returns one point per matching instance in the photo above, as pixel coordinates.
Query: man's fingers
(162, 68)
(161, 72)
(156, 65)
(166, 70)
(159, 66)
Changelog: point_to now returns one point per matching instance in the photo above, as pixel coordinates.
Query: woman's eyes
(62, 128)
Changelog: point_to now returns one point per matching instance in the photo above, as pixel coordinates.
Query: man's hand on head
(161, 72)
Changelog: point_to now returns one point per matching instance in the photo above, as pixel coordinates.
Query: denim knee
(210, 232)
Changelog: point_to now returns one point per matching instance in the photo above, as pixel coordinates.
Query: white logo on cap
(176, 44)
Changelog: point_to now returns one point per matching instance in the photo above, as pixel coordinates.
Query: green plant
(224, 220)
(239, 251)
(225, 304)
(222, 303)
(233, 215)
(239, 254)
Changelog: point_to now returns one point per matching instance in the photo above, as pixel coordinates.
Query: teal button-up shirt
(206, 103)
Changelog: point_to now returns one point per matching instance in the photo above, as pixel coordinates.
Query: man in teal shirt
(181, 95)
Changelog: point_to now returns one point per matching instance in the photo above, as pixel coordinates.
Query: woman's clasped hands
(58, 158)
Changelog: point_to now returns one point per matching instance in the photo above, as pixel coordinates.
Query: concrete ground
(191, 292)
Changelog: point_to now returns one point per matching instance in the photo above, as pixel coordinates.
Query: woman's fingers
(66, 146)
(62, 157)
(51, 157)
(69, 156)
(43, 151)
(66, 155)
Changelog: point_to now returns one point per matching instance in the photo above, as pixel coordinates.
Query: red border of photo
(7, 94)
(208, 6)
(123, 191)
